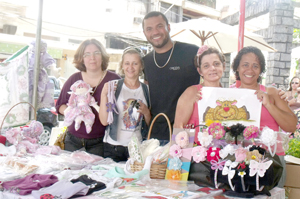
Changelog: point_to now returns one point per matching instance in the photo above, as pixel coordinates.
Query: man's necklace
(103, 75)
(168, 58)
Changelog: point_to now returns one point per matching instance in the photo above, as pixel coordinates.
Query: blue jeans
(163, 142)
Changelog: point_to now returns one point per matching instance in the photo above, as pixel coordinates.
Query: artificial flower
(173, 174)
(251, 132)
(253, 155)
(242, 173)
(175, 164)
(240, 154)
(209, 122)
(236, 130)
(268, 136)
(228, 149)
(175, 151)
(199, 153)
(182, 139)
(201, 50)
(213, 154)
(216, 130)
(204, 138)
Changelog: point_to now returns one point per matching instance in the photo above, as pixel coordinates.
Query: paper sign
(229, 106)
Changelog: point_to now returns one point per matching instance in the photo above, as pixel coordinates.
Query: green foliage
(294, 148)
(296, 35)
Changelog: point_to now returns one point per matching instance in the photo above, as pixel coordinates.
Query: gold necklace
(103, 75)
(168, 58)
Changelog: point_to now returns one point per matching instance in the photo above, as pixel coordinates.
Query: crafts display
(150, 148)
(180, 154)
(79, 109)
(238, 158)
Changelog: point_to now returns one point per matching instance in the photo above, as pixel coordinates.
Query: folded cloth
(92, 184)
(26, 185)
(63, 189)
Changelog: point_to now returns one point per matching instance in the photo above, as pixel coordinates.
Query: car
(48, 116)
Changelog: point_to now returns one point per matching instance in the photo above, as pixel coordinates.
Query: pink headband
(201, 50)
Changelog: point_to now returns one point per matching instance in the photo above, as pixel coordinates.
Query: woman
(91, 59)
(210, 65)
(132, 102)
(248, 66)
(293, 96)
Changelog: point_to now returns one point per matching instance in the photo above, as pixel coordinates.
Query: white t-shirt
(129, 121)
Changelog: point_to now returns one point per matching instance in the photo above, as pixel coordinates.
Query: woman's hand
(199, 95)
(143, 109)
(292, 101)
(263, 97)
(104, 90)
(282, 94)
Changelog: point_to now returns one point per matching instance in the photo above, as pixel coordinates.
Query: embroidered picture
(229, 106)
(226, 110)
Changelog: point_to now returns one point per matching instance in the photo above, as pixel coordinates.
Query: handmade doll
(79, 109)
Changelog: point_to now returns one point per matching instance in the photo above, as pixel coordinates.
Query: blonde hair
(131, 51)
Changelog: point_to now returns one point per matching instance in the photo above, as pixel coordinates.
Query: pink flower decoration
(250, 132)
(213, 154)
(175, 151)
(216, 130)
(240, 154)
(199, 154)
(182, 139)
(201, 50)
(13, 135)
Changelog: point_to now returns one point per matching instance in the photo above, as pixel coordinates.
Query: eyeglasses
(295, 83)
(88, 55)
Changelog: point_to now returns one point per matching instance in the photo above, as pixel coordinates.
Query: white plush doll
(79, 109)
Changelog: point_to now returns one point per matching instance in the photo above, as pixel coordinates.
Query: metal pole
(37, 56)
(241, 25)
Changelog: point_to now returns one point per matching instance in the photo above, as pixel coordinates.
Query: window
(173, 14)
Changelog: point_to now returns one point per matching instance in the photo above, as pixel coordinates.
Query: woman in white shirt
(132, 104)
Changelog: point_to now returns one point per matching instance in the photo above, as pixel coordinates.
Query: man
(169, 70)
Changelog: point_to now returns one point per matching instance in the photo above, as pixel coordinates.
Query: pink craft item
(2, 139)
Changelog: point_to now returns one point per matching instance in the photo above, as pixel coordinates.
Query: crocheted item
(182, 139)
(199, 154)
(175, 164)
(175, 151)
(204, 138)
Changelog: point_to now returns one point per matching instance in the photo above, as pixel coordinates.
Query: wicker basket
(15, 106)
(157, 171)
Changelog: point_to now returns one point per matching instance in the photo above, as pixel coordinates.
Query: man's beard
(165, 41)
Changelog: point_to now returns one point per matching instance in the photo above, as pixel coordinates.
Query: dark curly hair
(210, 50)
(246, 50)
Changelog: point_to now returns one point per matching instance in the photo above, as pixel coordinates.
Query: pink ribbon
(217, 165)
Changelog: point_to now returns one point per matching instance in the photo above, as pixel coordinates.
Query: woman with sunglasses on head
(210, 65)
(293, 96)
(125, 106)
(91, 59)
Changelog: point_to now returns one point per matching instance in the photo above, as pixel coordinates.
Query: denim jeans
(93, 146)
